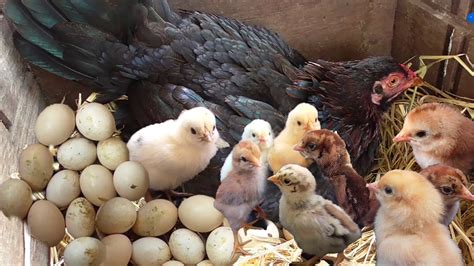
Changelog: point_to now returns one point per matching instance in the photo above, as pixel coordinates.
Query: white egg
(55, 124)
(80, 218)
(205, 263)
(95, 121)
(150, 251)
(131, 180)
(77, 153)
(198, 214)
(63, 188)
(112, 152)
(97, 184)
(84, 251)
(173, 263)
(186, 246)
(220, 246)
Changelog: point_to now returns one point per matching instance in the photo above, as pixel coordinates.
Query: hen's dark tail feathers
(82, 40)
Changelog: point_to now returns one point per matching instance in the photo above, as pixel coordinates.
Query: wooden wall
(436, 27)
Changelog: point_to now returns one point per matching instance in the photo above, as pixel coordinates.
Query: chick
(259, 132)
(175, 151)
(303, 118)
(242, 189)
(439, 134)
(329, 152)
(318, 225)
(407, 227)
(451, 183)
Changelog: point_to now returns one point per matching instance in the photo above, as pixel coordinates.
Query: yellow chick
(303, 118)
(407, 227)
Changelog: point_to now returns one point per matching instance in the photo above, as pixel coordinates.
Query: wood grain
(20, 102)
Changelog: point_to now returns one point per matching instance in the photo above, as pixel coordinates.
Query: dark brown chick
(452, 184)
(329, 151)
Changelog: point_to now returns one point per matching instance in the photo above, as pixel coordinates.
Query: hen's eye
(394, 81)
(193, 131)
(286, 181)
(447, 190)
(299, 123)
(253, 135)
(388, 190)
(312, 146)
(421, 133)
(243, 159)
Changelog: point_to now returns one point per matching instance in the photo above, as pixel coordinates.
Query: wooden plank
(20, 102)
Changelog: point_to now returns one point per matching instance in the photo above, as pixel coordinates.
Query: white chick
(259, 132)
(303, 118)
(318, 225)
(175, 151)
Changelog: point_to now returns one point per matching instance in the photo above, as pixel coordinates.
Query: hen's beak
(402, 137)
(466, 194)
(297, 147)
(275, 180)
(417, 81)
(255, 161)
(373, 186)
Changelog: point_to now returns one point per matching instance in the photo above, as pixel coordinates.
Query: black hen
(166, 62)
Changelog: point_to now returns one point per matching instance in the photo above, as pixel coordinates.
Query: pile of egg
(91, 190)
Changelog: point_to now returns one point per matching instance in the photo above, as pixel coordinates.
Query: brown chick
(242, 189)
(329, 152)
(439, 133)
(452, 184)
(407, 227)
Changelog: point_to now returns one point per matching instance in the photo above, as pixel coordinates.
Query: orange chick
(452, 184)
(407, 227)
(439, 133)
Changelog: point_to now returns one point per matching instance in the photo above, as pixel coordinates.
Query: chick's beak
(207, 137)
(309, 126)
(373, 186)
(275, 180)
(255, 161)
(466, 194)
(402, 137)
(262, 140)
(297, 147)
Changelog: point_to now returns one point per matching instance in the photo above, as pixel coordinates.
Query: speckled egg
(15, 198)
(150, 251)
(131, 180)
(77, 154)
(112, 152)
(95, 121)
(80, 218)
(220, 246)
(63, 188)
(156, 218)
(97, 184)
(198, 214)
(116, 216)
(36, 166)
(84, 251)
(55, 124)
(46, 222)
(186, 246)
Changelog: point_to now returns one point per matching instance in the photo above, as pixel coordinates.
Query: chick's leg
(238, 247)
(260, 213)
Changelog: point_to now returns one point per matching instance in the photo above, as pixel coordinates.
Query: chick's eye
(421, 133)
(446, 190)
(243, 159)
(253, 135)
(286, 181)
(193, 131)
(312, 146)
(213, 128)
(299, 123)
(388, 190)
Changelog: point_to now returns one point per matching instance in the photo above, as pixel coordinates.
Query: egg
(112, 152)
(97, 184)
(150, 251)
(46, 223)
(118, 249)
(84, 251)
(116, 216)
(156, 218)
(173, 263)
(63, 188)
(36, 166)
(131, 180)
(198, 214)
(186, 246)
(220, 246)
(205, 263)
(77, 154)
(15, 198)
(55, 124)
(80, 218)
(95, 121)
